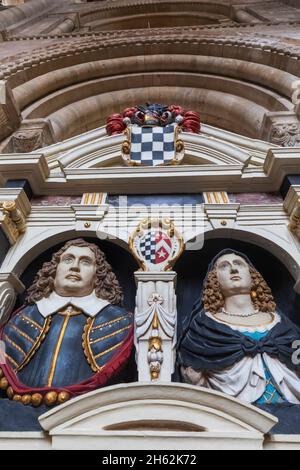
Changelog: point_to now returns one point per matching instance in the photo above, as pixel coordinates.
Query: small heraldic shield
(156, 244)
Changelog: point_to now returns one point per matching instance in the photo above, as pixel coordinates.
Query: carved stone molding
(156, 416)
(34, 166)
(96, 45)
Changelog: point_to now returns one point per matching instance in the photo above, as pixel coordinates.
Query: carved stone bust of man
(237, 342)
(72, 335)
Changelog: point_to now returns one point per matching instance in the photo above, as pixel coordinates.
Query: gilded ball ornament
(253, 295)
(36, 399)
(26, 399)
(4, 383)
(17, 398)
(50, 398)
(10, 392)
(63, 397)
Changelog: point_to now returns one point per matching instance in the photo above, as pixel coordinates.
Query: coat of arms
(153, 133)
(156, 244)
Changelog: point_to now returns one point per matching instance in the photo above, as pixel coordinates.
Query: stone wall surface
(65, 66)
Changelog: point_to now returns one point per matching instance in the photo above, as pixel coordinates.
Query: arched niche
(122, 262)
(192, 267)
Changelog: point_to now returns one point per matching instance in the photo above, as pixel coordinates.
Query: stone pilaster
(155, 325)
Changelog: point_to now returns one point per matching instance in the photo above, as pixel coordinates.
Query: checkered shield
(155, 247)
(153, 146)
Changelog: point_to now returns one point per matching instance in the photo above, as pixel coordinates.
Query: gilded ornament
(63, 397)
(155, 343)
(50, 398)
(26, 399)
(36, 399)
(253, 295)
(17, 398)
(154, 375)
(4, 383)
(179, 146)
(126, 147)
(10, 392)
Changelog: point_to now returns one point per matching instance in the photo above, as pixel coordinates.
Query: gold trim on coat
(87, 347)
(37, 344)
(57, 349)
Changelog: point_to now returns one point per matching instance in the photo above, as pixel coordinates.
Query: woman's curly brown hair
(213, 299)
(107, 286)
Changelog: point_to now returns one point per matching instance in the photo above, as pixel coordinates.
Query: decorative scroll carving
(12, 220)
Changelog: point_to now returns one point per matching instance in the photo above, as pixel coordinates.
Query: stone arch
(77, 85)
(21, 255)
(288, 257)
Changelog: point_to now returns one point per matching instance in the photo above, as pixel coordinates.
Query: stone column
(155, 325)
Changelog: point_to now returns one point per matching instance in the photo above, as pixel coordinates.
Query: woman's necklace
(251, 314)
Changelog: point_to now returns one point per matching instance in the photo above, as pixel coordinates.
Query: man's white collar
(90, 304)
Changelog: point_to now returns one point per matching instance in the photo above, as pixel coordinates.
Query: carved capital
(32, 135)
(282, 129)
(286, 134)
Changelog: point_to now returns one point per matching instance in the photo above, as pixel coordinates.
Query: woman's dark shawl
(210, 345)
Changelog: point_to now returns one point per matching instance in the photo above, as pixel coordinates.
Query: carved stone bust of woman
(237, 342)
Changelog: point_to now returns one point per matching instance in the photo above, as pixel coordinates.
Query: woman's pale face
(76, 272)
(233, 275)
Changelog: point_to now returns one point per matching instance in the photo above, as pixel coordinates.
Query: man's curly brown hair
(213, 299)
(107, 286)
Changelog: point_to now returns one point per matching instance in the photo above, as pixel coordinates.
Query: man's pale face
(233, 275)
(76, 272)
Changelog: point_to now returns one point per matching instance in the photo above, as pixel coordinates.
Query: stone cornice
(32, 167)
(84, 168)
